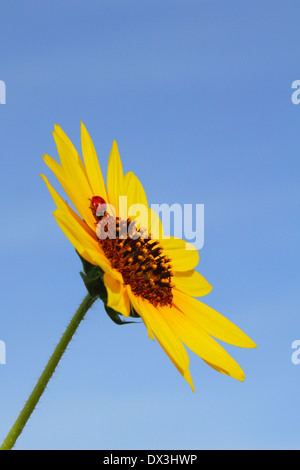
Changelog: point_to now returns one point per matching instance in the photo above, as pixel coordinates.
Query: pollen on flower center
(138, 257)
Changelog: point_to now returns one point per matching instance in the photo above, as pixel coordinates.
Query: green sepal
(115, 316)
(93, 280)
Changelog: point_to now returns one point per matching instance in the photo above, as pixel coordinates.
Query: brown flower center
(138, 257)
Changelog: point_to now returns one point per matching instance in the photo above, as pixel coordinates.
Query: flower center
(138, 257)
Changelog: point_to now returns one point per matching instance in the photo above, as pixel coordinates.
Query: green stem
(47, 374)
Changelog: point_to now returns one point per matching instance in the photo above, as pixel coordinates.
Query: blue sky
(198, 96)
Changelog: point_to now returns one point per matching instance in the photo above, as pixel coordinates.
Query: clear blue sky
(198, 96)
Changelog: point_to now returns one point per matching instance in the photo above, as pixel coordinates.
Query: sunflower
(145, 274)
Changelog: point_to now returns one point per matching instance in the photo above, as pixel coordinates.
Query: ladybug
(98, 206)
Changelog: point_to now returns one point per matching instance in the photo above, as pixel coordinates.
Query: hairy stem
(38, 390)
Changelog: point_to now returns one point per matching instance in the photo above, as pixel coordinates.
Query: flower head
(145, 273)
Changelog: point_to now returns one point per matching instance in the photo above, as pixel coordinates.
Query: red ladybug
(98, 205)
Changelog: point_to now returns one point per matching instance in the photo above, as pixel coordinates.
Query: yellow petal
(58, 130)
(83, 242)
(211, 321)
(192, 283)
(73, 180)
(183, 255)
(115, 178)
(92, 164)
(75, 231)
(196, 339)
(117, 296)
(135, 206)
(61, 204)
(72, 166)
(80, 203)
(155, 225)
(80, 235)
(134, 301)
(240, 377)
(164, 335)
(134, 190)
